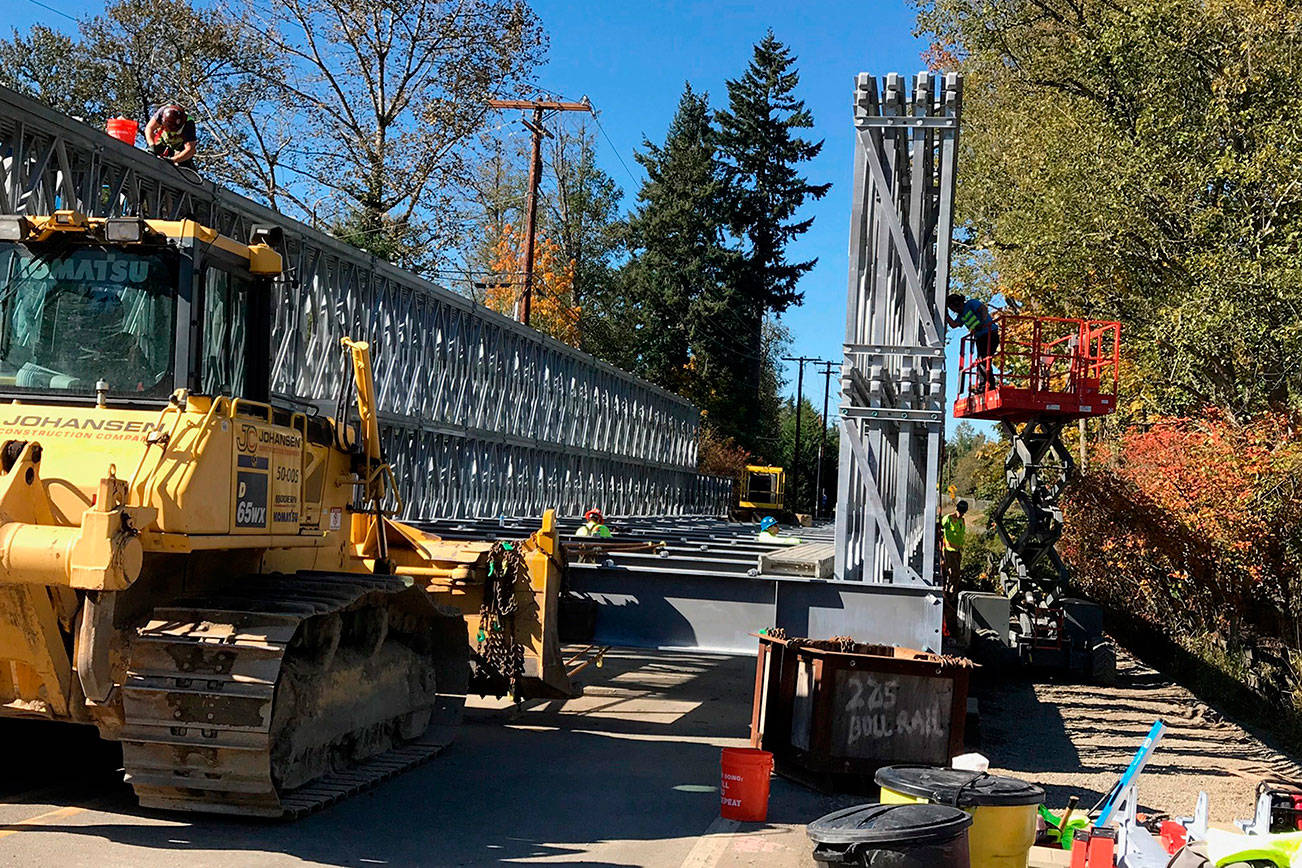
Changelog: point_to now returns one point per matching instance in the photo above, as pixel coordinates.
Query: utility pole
(537, 106)
(822, 437)
(800, 395)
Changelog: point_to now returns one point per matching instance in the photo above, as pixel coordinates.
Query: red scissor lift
(1045, 373)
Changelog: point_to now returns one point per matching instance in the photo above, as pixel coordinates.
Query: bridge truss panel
(893, 373)
(483, 415)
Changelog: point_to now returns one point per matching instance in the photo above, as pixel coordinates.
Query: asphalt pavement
(627, 774)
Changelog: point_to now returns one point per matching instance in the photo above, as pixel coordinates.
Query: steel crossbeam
(481, 415)
(893, 374)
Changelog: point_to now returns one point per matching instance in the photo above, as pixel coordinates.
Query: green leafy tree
(1140, 160)
(964, 439)
(980, 472)
(963, 448)
(761, 152)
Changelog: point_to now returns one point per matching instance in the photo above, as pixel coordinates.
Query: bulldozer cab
(131, 310)
(763, 488)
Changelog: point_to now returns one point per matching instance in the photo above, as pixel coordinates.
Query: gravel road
(1079, 738)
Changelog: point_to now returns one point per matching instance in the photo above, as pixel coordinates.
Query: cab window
(72, 316)
(223, 329)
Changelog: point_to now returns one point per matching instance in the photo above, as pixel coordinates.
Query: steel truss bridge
(481, 416)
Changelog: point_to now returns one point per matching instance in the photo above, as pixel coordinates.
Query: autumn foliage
(721, 456)
(553, 310)
(1195, 527)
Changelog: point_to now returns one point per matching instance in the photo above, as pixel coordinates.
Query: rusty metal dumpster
(834, 711)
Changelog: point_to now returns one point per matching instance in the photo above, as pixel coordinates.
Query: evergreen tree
(677, 278)
(761, 153)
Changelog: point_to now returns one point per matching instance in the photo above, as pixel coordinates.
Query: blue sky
(631, 59)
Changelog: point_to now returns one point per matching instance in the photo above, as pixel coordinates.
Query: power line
(597, 120)
(611, 144)
(54, 10)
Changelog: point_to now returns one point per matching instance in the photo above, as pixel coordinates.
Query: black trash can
(892, 836)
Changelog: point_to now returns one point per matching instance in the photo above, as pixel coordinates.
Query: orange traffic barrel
(123, 129)
(744, 784)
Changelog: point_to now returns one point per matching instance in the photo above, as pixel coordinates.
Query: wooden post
(524, 305)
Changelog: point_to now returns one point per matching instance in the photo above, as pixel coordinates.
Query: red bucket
(744, 784)
(123, 129)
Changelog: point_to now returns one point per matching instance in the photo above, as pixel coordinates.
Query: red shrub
(1194, 527)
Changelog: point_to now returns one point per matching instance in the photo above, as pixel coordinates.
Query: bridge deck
(704, 587)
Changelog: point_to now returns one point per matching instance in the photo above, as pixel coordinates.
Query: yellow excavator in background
(210, 578)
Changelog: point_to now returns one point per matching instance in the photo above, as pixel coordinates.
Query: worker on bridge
(769, 532)
(975, 316)
(593, 525)
(171, 135)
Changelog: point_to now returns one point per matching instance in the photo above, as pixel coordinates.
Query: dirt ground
(1078, 739)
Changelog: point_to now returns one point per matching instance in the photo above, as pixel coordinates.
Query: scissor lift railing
(1055, 366)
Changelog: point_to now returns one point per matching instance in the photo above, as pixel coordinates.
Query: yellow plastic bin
(1003, 809)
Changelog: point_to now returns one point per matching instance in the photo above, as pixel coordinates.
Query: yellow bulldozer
(212, 579)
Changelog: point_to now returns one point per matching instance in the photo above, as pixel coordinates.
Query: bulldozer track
(203, 730)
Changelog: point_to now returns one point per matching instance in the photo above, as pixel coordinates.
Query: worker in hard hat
(769, 532)
(593, 525)
(171, 135)
(973, 314)
(953, 530)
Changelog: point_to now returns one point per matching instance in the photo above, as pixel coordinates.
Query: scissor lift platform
(1044, 366)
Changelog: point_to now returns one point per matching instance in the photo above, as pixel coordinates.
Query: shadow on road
(632, 764)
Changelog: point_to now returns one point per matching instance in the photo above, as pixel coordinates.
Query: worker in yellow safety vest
(973, 314)
(953, 529)
(593, 525)
(769, 531)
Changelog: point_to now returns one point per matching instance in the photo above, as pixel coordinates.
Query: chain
(495, 643)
